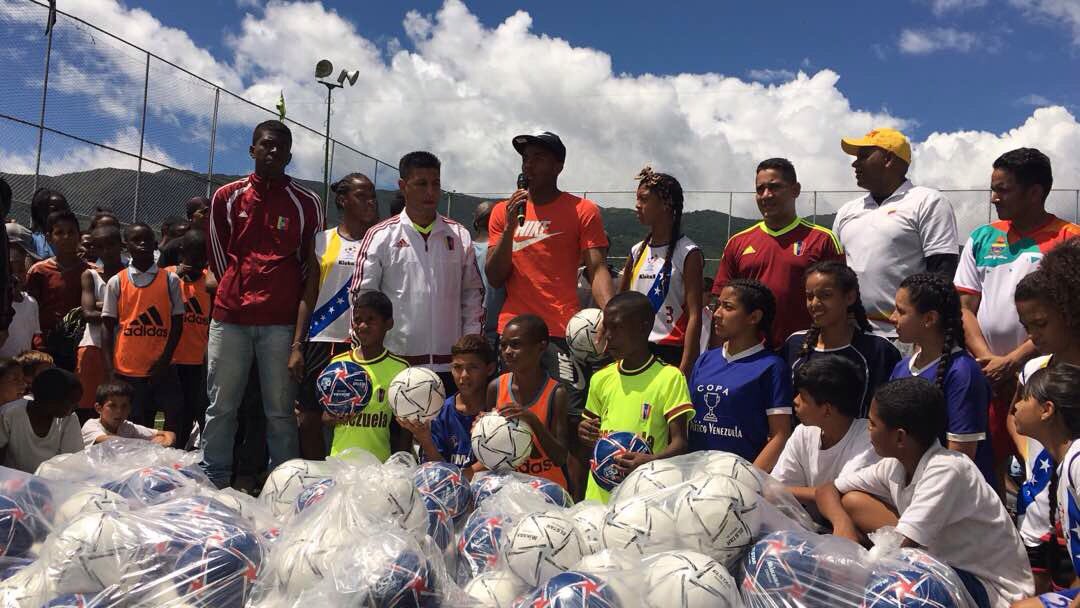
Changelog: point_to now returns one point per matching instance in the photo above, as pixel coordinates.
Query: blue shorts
(1059, 599)
(974, 588)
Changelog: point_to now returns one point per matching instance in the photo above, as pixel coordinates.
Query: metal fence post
(142, 139)
(41, 116)
(730, 212)
(815, 207)
(213, 144)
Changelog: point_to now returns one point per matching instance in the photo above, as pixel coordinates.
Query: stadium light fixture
(324, 69)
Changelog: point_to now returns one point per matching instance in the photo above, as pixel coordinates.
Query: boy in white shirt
(935, 497)
(831, 440)
(113, 405)
(32, 432)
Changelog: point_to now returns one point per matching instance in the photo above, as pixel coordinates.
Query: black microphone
(522, 184)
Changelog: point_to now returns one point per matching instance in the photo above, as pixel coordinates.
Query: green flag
(281, 106)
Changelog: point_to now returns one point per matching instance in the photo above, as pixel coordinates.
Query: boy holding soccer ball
(935, 497)
(638, 393)
(374, 428)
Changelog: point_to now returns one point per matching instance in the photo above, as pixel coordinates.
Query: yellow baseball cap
(886, 139)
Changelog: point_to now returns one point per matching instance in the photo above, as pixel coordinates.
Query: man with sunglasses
(896, 229)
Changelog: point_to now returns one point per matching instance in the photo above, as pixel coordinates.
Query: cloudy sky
(703, 90)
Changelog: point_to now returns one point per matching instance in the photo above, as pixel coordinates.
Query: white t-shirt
(667, 294)
(24, 449)
(950, 509)
(24, 325)
(128, 430)
(110, 304)
(804, 464)
(888, 242)
(92, 334)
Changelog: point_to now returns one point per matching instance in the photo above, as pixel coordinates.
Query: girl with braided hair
(741, 392)
(1048, 411)
(928, 316)
(840, 328)
(667, 267)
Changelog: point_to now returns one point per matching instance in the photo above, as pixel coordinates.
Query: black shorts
(317, 356)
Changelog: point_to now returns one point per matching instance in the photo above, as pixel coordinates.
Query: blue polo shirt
(733, 397)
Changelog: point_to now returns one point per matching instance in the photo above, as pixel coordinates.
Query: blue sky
(1011, 62)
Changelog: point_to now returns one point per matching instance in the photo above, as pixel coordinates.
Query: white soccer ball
(639, 526)
(686, 579)
(719, 517)
(288, 480)
(90, 500)
(416, 394)
(542, 545)
(649, 478)
(581, 335)
(734, 467)
(303, 562)
(589, 520)
(607, 560)
(27, 587)
(495, 589)
(94, 551)
(404, 503)
(500, 444)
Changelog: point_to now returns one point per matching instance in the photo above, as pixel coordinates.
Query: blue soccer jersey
(451, 432)
(734, 396)
(967, 403)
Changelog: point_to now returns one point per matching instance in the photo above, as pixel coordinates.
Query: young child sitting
(638, 393)
(33, 362)
(831, 440)
(113, 405)
(448, 437)
(33, 431)
(936, 498)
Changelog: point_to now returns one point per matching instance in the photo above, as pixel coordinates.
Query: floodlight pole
(330, 86)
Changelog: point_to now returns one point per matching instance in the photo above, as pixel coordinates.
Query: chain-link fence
(111, 125)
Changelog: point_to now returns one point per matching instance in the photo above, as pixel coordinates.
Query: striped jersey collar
(633, 372)
(753, 350)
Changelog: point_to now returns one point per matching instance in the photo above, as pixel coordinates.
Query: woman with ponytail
(667, 267)
(840, 328)
(928, 316)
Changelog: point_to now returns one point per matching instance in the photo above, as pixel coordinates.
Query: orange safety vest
(538, 463)
(144, 317)
(191, 350)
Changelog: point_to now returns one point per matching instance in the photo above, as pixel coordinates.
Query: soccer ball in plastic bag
(605, 472)
(581, 335)
(907, 589)
(573, 590)
(780, 564)
(732, 466)
(94, 551)
(687, 579)
(445, 484)
(406, 582)
(649, 478)
(149, 485)
(501, 444)
(553, 493)
(416, 394)
(313, 494)
(720, 516)
(639, 526)
(495, 589)
(589, 519)
(542, 545)
(19, 529)
(288, 480)
(478, 547)
(344, 388)
(221, 570)
(90, 500)
(34, 496)
(487, 486)
(440, 523)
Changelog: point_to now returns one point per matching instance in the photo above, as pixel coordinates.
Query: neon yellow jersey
(370, 429)
(642, 401)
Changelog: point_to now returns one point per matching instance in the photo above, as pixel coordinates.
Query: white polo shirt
(804, 464)
(950, 509)
(888, 242)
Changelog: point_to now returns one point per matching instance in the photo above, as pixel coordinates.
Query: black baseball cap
(546, 139)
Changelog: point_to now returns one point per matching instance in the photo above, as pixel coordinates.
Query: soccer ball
(314, 494)
(685, 579)
(781, 564)
(501, 444)
(495, 589)
(552, 492)
(416, 394)
(288, 480)
(726, 464)
(487, 486)
(576, 590)
(32, 495)
(94, 551)
(638, 526)
(12, 566)
(344, 388)
(478, 547)
(607, 560)
(402, 502)
(406, 582)
(445, 484)
(76, 600)
(542, 545)
(439, 524)
(18, 529)
(150, 485)
(589, 520)
(581, 335)
(89, 501)
(719, 517)
(301, 562)
(909, 588)
(223, 568)
(648, 479)
(605, 472)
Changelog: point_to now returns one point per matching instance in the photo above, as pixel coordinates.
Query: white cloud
(941, 7)
(1065, 12)
(931, 40)
(1034, 99)
(771, 75)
